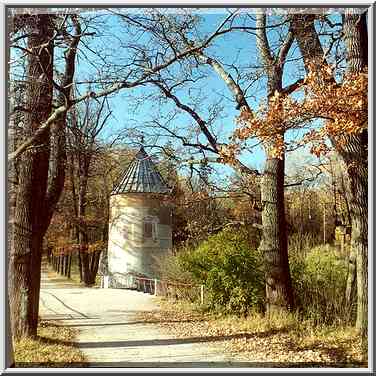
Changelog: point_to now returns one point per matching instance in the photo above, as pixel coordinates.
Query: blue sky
(229, 49)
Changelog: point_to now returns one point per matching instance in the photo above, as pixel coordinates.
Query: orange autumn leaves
(268, 125)
(342, 107)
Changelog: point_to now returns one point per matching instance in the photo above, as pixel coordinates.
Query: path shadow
(337, 355)
(169, 341)
(126, 323)
(66, 305)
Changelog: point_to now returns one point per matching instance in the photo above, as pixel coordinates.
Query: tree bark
(49, 186)
(69, 265)
(354, 152)
(25, 253)
(274, 238)
(84, 134)
(9, 348)
(83, 164)
(80, 265)
(274, 244)
(42, 170)
(75, 199)
(350, 283)
(89, 261)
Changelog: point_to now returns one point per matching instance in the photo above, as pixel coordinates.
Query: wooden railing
(158, 287)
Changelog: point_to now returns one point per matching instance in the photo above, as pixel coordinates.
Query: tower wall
(139, 233)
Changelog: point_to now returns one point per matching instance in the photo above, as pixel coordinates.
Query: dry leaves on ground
(255, 339)
(52, 348)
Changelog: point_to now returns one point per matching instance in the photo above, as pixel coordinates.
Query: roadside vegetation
(319, 330)
(284, 341)
(53, 347)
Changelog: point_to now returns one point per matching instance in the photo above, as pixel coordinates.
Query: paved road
(110, 334)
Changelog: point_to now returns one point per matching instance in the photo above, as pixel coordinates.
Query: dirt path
(110, 335)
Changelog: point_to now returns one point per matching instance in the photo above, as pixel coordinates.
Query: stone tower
(140, 222)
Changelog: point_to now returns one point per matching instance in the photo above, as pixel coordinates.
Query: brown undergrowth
(283, 340)
(53, 347)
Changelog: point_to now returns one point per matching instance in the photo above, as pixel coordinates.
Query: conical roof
(141, 176)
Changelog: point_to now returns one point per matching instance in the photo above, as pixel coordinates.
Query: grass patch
(255, 338)
(53, 347)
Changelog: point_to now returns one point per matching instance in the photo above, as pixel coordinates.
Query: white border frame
(192, 3)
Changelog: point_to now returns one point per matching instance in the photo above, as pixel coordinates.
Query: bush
(175, 282)
(319, 282)
(301, 244)
(231, 272)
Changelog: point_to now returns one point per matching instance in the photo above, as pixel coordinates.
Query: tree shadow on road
(336, 354)
(99, 324)
(173, 341)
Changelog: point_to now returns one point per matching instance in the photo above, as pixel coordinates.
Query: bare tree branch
(227, 78)
(262, 39)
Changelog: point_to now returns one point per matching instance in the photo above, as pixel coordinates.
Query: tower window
(148, 230)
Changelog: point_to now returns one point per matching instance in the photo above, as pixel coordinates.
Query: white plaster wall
(127, 251)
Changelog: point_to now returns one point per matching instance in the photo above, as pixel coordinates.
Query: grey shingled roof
(141, 176)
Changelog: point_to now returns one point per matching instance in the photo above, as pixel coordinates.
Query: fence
(62, 263)
(157, 287)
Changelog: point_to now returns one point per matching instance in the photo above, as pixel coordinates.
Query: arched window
(149, 229)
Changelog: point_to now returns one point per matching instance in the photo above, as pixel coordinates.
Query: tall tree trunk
(279, 291)
(350, 283)
(274, 238)
(103, 261)
(9, 350)
(19, 273)
(49, 181)
(12, 200)
(83, 236)
(41, 171)
(354, 152)
(274, 244)
(48, 187)
(33, 170)
(75, 199)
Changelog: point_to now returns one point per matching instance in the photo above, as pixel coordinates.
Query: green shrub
(175, 282)
(301, 244)
(319, 282)
(231, 272)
